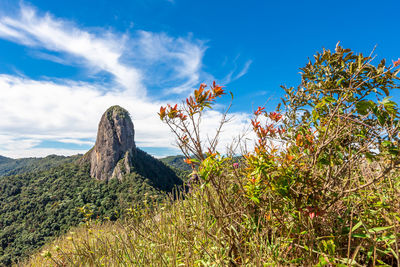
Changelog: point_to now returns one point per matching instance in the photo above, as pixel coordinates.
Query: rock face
(115, 150)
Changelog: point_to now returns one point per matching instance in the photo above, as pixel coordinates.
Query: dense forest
(37, 206)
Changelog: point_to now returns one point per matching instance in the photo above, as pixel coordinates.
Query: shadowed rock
(115, 150)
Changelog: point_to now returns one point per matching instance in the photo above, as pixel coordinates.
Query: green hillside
(37, 206)
(176, 162)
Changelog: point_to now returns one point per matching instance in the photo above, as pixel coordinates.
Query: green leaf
(322, 261)
(329, 99)
(390, 106)
(338, 83)
(386, 100)
(195, 160)
(369, 254)
(255, 200)
(364, 106)
(355, 227)
(361, 235)
(386, 143)
(394, 253)
(379, 229)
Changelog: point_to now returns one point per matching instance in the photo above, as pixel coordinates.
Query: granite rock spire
(115, 150)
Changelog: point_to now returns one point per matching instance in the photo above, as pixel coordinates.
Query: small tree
(335, 123)
(339, 135)
(185, 122)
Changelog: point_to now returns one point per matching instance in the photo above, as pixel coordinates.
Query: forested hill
(37, 206)
(9, 166)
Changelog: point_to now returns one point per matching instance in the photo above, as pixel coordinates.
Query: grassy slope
(178, 233)
(184, 232)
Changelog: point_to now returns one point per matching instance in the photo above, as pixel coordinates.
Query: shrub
(321, 186)
(318, 169)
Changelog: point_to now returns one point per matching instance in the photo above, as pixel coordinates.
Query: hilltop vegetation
(178, 165)
(176, 162)
(321, 186)
(35, 207)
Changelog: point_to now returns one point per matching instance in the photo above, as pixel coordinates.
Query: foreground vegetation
(38, 206)
(186, 233)
(321, 186)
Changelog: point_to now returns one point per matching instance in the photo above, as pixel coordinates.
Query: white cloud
(67, 111)
(44, 110)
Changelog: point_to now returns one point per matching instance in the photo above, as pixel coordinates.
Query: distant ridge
(9, 166)
(5, 160)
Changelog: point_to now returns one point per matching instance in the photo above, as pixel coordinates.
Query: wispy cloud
(177, 60)
(234, 75)
(244, 70)
(183, 56)
(98, 52)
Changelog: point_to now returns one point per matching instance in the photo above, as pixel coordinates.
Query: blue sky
(64, 62)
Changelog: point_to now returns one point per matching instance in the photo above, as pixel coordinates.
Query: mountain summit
(115, 149)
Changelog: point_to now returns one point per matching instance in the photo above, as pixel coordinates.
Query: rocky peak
(114, 151)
